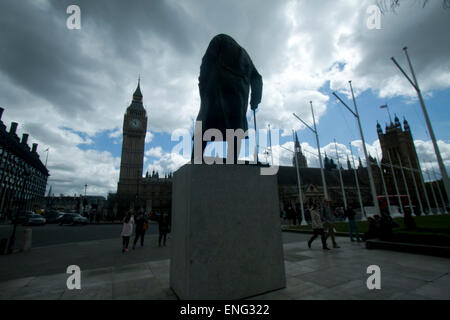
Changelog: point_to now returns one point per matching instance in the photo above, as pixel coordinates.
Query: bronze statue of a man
(226, 75)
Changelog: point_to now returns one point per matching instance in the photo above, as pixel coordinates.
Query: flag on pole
(383, 106)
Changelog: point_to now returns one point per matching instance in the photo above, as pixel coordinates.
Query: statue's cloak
(226, 75)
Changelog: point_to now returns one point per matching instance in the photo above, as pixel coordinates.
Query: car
(72, 218)
(22, 216)
(34, 219)
(54, 216)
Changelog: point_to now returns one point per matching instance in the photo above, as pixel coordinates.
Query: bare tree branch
(392, 5)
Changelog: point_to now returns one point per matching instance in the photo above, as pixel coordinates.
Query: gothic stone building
(312, 188)
(398, 149)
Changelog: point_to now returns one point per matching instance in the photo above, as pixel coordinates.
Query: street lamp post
(324, 182)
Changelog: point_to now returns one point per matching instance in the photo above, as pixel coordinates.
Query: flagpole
(385, 106)
(389, 112)
(363, 213)
(434, 195)
(340, 177)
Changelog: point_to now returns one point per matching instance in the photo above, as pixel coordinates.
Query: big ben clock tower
(132, 161)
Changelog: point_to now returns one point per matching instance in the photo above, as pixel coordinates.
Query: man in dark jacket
(140, 220)
(352, 225)
(226, 75)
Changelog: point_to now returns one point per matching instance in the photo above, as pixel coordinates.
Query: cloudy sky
(69, 88)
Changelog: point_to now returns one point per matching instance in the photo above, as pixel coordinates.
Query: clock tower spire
(133, 144)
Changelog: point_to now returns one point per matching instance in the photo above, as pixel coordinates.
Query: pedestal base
(226, 233)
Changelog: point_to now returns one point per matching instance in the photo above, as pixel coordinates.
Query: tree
(392, 5)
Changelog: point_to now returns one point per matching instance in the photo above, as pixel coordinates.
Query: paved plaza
(313, 274)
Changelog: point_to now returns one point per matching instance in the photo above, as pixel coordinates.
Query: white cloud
(116, 133)
(148, 137)
(168, 162)
(154, 152)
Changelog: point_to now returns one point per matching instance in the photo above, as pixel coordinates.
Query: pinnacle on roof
(137, 95)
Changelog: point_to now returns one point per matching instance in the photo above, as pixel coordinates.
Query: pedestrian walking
(141, 226)
(330, 220)
(163, 228)
(317, 227)
(127, 230)
(352, 225)
(298, 212)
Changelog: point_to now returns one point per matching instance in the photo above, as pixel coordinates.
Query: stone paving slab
(311, 274)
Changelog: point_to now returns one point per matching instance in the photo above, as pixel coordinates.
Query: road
(53, 234)
(90, 247)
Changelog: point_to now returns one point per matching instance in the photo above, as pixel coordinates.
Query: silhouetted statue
(226, 75)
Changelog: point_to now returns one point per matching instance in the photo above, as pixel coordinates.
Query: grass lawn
(430, 225)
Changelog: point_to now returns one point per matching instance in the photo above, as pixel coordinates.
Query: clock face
(135, 123)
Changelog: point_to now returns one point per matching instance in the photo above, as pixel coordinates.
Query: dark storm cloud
(39, 54)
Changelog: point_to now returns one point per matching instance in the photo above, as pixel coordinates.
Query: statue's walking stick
(256, 138)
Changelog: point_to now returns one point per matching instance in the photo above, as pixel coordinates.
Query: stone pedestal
(226, 235)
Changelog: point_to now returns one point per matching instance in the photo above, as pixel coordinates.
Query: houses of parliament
(154, 193)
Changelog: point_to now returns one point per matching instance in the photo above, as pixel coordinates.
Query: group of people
(380, 226)
(139, 222)
(291, 215)
(323, 224)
